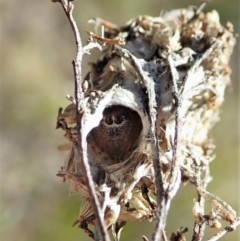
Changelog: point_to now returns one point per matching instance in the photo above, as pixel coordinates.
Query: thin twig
(144, 238)
(228, 229)
(79, 95)
(105, 40)
(174, 165)
(198, 231)
(162, 198)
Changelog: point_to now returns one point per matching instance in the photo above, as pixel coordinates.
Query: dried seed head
(160, 93)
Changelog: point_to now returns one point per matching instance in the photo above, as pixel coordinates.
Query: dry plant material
(141, 117)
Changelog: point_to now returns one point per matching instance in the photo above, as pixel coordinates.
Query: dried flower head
(149, 102)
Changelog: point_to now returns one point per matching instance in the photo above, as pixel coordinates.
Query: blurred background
(37, 47)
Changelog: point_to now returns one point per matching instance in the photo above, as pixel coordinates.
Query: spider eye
(109, 120)
(118, 119)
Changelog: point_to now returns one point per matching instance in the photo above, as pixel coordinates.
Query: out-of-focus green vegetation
(37, 48)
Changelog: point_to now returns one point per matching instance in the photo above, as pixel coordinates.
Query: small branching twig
(105, 40)
(174, 180)
(79, 95)
(179, 236)
(228, 229)
(162, 197)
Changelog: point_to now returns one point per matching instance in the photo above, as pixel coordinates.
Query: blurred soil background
(37, 47)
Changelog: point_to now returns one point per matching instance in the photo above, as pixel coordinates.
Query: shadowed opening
(118, 131)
